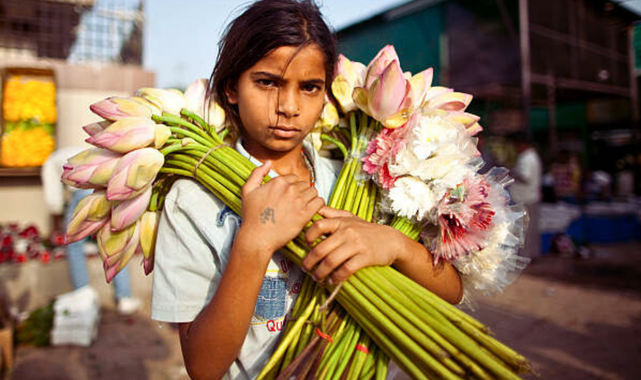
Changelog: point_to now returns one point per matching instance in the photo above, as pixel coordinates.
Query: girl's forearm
(214, 339)
(417, 263)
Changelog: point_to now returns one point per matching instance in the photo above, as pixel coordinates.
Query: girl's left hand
(350, 244)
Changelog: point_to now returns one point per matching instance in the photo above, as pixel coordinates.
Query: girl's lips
(285, 132)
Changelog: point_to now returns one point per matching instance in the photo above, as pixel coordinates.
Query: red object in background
(31, 232)
(21, 258)
(45, 257)
(57, 239)
(7, 241)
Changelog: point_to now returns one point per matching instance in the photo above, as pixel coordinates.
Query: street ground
(575, 319)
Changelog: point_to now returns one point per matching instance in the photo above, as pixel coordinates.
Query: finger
(320, 228)
(329, 212)
(309, 194)
(313, 206)
(349, 267)
(332, 261)
(256, 177)
(320, 251)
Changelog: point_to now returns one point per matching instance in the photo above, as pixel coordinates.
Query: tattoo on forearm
(267, 215)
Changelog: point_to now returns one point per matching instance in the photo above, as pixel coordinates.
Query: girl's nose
(288, 105)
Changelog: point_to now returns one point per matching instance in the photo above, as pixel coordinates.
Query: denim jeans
(77, 259)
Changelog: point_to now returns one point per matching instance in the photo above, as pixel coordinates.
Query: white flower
(412, 197)
(432, 133)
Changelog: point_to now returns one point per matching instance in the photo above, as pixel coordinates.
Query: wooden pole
(526, 80)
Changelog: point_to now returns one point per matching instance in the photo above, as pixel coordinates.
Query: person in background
(54, 192)
(566, 172)
(526, 189)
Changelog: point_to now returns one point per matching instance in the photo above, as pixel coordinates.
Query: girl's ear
(231, 94)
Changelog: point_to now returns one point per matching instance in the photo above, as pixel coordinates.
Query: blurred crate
(28, 118)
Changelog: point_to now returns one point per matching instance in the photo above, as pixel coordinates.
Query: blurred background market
(556, 83)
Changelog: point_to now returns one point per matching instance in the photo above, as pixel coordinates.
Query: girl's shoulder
(188, 194)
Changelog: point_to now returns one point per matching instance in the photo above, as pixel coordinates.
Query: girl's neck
(283, 163)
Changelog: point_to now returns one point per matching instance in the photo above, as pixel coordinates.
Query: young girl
(225, 282)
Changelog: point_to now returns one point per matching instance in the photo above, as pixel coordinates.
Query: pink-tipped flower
(469, 120)
(348, 75)
(450, 101)
(134, 172)
(90, 168)
(380, 154)
(195, 101)
(195, 96)
(148, 230)
(117, 247)
(129, 134)
(383, 58)
(115, 108)
(94, 128)
(171, 101)
(125, 213)
(389, 95)
(465, 215)
(90, 215)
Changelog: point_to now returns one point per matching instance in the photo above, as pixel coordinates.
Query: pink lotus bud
(91, 214)
(148, 230)
(195, 97)
(421, 83)
(382, 60)
(126, 134)
(389, 94)
(90, 168)
(115, 108)
(117, 247)
(94, 128)
(170, 101)
(450, 101)
(134, 172)
(436, 91)
(125, 213)
(348, 75)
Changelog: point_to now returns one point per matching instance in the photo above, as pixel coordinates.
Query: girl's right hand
(276, 212)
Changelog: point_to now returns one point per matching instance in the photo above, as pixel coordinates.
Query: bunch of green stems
(424, 335)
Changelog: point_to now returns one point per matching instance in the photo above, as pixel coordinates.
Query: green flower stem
(369, 367)
(347, 354)
(199, 120)
(363, 205)
(338, 352)
(436, 345)
(194, 129)
(382, 339)
(322, 369)
(433, 355)
(280, 350)
(462, 341)
(195, 136)
(358, 361)
(353, 128)
(381, 365)
(336, 142)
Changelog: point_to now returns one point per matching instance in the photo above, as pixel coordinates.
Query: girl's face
(279, 99)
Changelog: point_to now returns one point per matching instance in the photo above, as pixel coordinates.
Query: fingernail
(330, 282)
(303, 269)
(314, 278)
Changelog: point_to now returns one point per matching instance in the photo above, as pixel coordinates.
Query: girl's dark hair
(265, 26)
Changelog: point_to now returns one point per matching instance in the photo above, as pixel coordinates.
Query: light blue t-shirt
(195, 236)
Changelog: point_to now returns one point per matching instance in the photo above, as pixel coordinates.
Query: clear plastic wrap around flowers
(489, 270)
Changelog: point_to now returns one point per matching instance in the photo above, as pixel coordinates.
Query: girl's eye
(311, 88)
(266, 82)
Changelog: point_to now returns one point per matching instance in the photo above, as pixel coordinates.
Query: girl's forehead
(310, 60)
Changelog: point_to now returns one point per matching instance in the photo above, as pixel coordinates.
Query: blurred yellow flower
(23, 148)
(29, 99)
